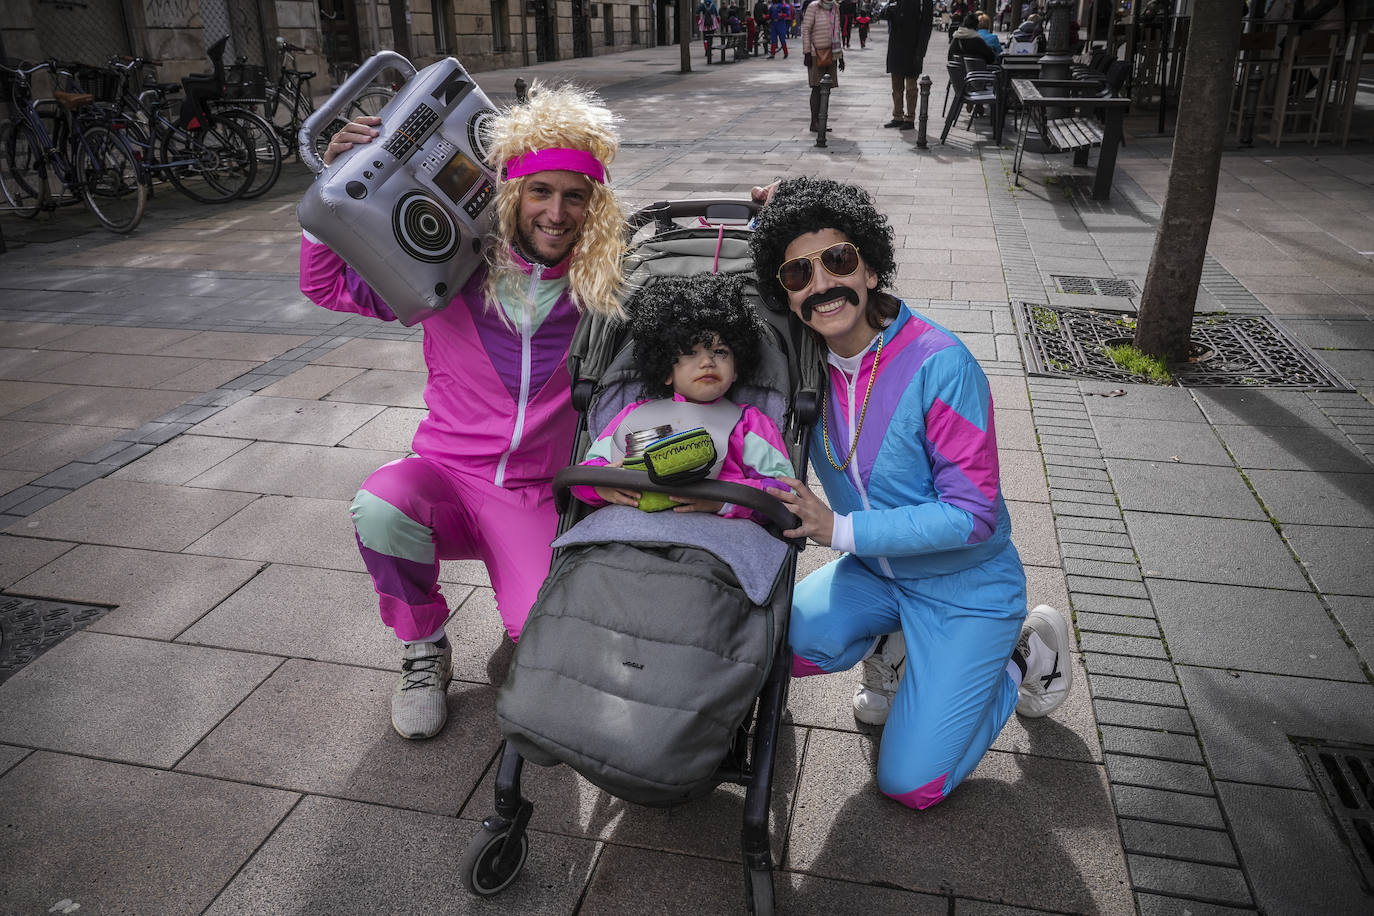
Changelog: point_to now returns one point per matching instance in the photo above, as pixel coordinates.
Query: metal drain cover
(29, 627)
(1095, 286)
(1240, 351)
(1344, 777)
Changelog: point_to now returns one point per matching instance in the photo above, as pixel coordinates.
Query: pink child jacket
(499, 397)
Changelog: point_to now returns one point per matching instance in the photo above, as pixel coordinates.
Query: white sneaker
(1044, 646)
(878, 683)
(418, 706)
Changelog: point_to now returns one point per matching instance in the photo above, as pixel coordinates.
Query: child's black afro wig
(802, 205)
(671, 315)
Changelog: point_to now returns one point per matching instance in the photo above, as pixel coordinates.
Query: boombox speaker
(410, 211)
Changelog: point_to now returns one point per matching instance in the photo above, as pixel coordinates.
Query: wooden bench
(727, 41)
(1061, 111)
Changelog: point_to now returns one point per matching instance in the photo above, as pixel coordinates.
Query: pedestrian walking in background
(779, 22)
(848, 10)
(910, 23)
(761, 24)
(821, 50)
(862, 20)
(708, 20)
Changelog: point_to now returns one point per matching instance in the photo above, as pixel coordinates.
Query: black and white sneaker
(1044, 648)
(882, 671)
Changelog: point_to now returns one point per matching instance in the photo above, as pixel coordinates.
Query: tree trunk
(684, 33)
(1166, 304)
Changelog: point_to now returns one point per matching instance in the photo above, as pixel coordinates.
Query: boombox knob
(440, 289)
(356, 190)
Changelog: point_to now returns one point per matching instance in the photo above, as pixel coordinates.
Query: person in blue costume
(929, 592)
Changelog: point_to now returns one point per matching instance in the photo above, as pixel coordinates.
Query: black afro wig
(672, 315)
(802, 205)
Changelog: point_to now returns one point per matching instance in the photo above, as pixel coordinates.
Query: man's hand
(806, 59)
(359, 130)
(817, 521)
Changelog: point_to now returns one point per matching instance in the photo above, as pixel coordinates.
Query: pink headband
(556, 159)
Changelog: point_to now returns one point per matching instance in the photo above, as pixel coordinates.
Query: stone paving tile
(1186, 489)
(296, 530)
(288, 420)
(292, 734)
(1293, 448)
(1153, 772)
(102, 852)
(143, 341)
(967, 851)
(1167, 807)
(1330, 498)
(1245, 720)
(10, 757)
(21, 556)
(286, 469)
(158, 594)
(374, 354)
(1212, 550)
(14, 395)
(1143, 402)
(51, 446)
(178, 461)
(25, 364)
(1159, 440)
(310, 382)
(1033, 533)
(1215, 883)
(1188, 843)
(1022, 476)
(1294, 861)
(1134, 689)
(125, 699)
(1337, 559)
(1356, 619)
(387, 387)
(1223, 626)
(222, 345)
(126, 513)
(337, 856)
(1230, 406)
(392, 429)
(88, 405)
(1151, 743)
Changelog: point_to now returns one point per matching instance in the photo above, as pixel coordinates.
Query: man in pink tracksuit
(500, 419)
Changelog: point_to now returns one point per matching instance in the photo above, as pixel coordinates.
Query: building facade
(483, 34)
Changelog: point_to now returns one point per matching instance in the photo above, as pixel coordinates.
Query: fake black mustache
(830, 295)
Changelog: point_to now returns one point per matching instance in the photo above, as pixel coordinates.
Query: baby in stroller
(694, 338)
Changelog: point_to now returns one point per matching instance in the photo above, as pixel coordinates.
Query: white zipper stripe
(525, 368)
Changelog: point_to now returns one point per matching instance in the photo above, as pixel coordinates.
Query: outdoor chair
(974, 85)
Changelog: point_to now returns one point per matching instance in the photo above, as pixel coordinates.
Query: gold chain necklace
(858, 427)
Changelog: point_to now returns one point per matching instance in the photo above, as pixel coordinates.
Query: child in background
(694, 338)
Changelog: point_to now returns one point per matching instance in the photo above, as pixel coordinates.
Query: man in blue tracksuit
(907, 454)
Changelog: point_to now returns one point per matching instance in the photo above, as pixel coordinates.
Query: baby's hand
(687, 504)
(618, 495)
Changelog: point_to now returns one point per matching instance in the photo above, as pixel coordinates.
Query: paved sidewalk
(181, 433)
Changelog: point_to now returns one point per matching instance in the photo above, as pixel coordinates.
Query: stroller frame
(496, 855)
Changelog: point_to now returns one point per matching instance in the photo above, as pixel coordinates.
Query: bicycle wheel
(110, 178)
(23, 170)
(370, 102)
(266, 148)
(217, 162)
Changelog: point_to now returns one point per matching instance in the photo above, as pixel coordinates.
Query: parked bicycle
(207, 156)
(151, 113)
(290, 101)
(85, 153)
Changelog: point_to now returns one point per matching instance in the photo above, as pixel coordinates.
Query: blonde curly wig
(573, 118)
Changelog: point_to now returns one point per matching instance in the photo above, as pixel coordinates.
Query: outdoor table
(1064, 131)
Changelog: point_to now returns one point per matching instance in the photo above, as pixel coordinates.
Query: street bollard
(925, 112)
(1251, 103)
(521, 90)
(827, 83)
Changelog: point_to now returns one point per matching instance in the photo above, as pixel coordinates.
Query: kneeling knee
(926, 796)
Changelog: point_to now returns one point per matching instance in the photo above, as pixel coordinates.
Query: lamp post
(1055, 64)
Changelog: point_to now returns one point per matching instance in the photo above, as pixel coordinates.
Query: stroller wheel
(761, 891)
(481, 867)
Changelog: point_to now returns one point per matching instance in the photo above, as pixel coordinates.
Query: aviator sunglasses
(839, 260)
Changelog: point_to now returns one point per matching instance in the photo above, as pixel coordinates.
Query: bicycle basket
(100, 82)
(245, 81)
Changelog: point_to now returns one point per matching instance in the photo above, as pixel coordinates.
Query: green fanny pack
(677, 459)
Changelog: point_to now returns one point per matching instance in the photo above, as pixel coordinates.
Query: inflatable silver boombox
(410, 211)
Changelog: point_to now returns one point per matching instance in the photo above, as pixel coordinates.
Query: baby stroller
(655, 659)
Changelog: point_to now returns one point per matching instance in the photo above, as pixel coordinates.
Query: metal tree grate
(1095, 286)
(29, 627)
(1344, 777)
(1241, 351)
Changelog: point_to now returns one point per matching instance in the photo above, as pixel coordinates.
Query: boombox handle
(335, 106)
